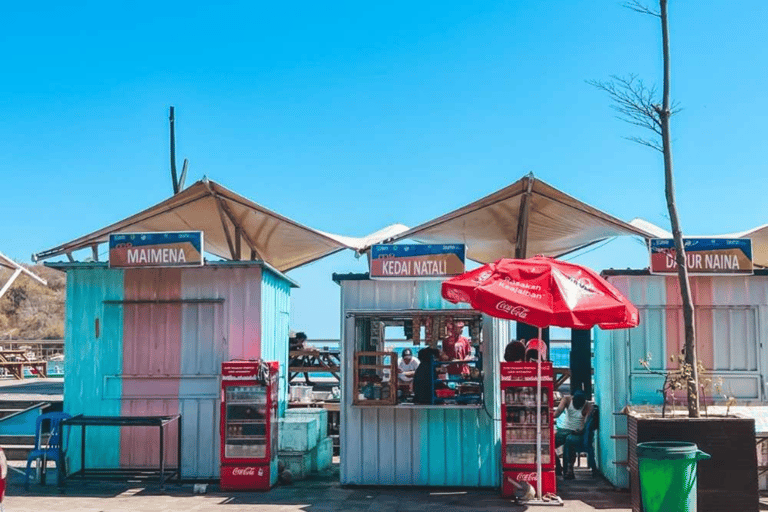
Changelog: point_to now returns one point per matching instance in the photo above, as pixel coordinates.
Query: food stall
(731, 315)
(147, 331)
(388, 437)
(149, 341)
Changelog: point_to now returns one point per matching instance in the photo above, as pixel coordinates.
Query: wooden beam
(521, 243)
(243, 233)
(238, 237)
(216, 200)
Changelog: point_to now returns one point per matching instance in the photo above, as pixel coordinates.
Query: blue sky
(350, 116)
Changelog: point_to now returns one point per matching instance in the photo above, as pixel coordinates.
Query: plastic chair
(52, 450)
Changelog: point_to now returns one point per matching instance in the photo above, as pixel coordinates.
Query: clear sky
(349, 116)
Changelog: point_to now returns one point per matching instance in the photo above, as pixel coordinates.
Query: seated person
(299, 342)
(576, 410)
(456, 347)
(406, 369)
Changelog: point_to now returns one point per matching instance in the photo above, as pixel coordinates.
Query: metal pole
(538, 420)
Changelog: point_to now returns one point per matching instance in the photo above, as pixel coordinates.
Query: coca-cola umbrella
(544, 292)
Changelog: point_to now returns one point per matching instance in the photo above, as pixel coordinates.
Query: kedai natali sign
(416, 261)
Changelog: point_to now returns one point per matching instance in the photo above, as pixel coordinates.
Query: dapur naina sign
(712, 256)
(165, 249)
(416, 261)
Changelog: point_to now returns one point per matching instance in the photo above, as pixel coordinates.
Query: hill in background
(31, 311)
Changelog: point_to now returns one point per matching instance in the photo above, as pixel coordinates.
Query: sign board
(170, 249)
(712, 256)
(436, 261)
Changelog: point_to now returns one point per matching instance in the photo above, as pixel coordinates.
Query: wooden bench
(14, 361)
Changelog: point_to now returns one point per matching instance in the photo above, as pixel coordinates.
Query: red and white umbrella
(544, 292)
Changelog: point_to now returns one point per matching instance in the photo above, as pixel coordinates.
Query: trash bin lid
(666, 450)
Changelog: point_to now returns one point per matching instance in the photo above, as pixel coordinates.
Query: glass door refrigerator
(248, 425)
(519, 428)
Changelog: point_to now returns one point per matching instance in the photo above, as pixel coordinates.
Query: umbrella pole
(553, 500)
(538, 421)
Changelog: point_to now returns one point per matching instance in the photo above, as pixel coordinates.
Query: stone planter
(726, 482)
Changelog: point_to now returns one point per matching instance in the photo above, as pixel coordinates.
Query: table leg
(178, 463)
(82, 452)
(162, 459)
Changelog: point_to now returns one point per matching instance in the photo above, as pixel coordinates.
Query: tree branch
(645, 142)
(636, 104)
(636, 6)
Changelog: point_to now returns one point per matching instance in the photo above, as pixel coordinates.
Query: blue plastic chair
(51, 450)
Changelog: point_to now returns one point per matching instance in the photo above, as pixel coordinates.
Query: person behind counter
(456, 347)
(422, 387)
(406, 369)
(576, 410)
(299, 342)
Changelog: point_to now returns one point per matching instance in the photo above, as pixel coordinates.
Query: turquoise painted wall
(418, 445)
(275, 316)
(91, 356)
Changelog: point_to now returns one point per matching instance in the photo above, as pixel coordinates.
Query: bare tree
(637, 104)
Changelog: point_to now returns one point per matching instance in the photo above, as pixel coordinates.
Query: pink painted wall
(701, 291)
(151, 362)
(240, 287)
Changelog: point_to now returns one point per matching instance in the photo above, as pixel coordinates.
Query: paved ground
(319, 494)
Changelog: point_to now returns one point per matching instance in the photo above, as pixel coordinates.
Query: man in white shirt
(406, 368)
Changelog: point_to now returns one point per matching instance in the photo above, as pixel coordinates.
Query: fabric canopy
(6, 262)
(234, 228)
(759, 236)
(526, 218)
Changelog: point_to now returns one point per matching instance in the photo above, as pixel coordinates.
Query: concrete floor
(321, 493)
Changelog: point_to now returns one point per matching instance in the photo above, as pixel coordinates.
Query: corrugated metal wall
(164, 357)
(418, 445)
(731, 326)
(91, 356)
(151, 356)
(275, 316)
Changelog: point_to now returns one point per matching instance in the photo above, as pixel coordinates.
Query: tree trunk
(682, 269)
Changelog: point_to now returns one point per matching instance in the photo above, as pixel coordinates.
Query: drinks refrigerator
(519, 428)
(248, 425)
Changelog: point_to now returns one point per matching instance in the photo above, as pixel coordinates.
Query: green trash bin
(668, 475)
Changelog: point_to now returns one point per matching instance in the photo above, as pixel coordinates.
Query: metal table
(161, 422)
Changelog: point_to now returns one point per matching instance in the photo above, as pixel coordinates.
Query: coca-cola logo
(526, 477)
(512, 310)
(249, 471)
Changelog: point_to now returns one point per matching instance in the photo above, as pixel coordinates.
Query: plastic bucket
(668, 475)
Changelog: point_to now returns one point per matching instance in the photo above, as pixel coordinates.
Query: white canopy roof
(526, 218)
(759, 236)
(235, 228)
(7, 262)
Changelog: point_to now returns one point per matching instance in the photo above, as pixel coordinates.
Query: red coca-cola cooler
(519, 428)
(248, 425)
